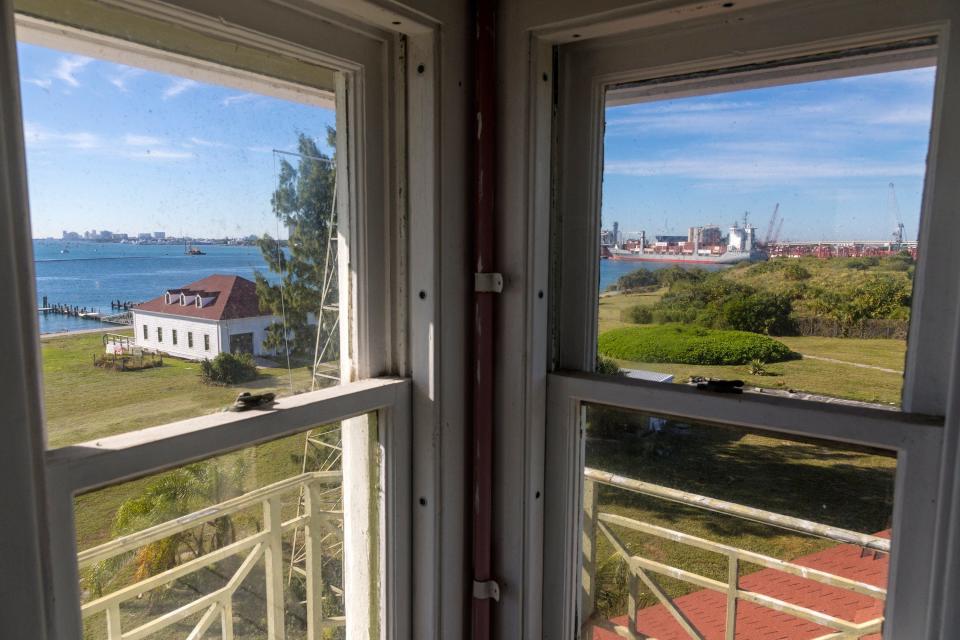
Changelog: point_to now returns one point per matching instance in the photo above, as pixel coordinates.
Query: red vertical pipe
(484, 167)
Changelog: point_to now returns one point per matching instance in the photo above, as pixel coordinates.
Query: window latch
(488, 283)
(488, 590)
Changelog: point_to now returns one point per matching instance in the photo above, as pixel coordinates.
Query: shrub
(758, 313)
(228, 368)
(639, 279)
(608, 367)
(637, 314)
(795, 272)
(690, 345)
(862, 264)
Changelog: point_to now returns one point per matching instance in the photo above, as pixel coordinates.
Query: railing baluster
(226, 619)
(633, 602)
(114, 630)
(313, 535)
(733, 584)
(274, 569)
(589, 544)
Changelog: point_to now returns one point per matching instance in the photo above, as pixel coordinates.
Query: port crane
(893, 207)
(773, 229)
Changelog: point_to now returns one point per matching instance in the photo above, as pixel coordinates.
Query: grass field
(83, 402)
(809, 375)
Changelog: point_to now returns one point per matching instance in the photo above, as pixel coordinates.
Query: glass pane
(665, 496)
(185, 241)
(766, 235)
(169, 542)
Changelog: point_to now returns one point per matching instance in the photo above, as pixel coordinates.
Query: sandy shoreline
(64, 334)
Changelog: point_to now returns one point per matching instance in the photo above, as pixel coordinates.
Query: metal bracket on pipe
(488, 282)
(486, 590)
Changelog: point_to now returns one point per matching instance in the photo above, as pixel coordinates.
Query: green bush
(862, 264)
(228, 368)
(689, 345)
(794, 271)
(637, 314)
(607, 367)
(758, 313)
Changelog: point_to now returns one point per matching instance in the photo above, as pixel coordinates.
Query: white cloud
(141, 140)
(178, 86)
(43, 83)
(240, 97)
(39, 136)
(160, 154)
(763, 169)
(912, 114)
(132, 146)
(68, 67)
(260, 149)
(123, 75)
(202, 142)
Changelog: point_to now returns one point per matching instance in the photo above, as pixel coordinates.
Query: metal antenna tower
(323, 446)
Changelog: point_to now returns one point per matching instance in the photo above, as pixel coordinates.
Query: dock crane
(773, 228)
(893, 207)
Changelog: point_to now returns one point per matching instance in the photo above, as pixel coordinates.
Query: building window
(174, 332)
(159, 334)
(206, 343)
(146, 333)
(190, 339)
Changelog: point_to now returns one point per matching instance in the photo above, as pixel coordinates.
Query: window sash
(365, 205)
(585, 69)
(916, 439)
(109, 461)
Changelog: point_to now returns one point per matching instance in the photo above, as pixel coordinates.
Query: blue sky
(826, 151)
(128, 150)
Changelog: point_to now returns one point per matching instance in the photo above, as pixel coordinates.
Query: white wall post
(273, 559)
(361, 487)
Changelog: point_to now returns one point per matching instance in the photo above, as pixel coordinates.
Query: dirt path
(852, 364)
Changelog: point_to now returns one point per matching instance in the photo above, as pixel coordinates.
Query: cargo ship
(702, 245)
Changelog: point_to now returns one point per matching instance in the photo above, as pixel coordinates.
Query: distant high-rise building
(159, 235)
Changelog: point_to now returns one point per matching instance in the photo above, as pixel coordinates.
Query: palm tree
(167, 497)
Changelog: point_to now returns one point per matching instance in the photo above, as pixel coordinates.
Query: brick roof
(707, 609)
(223, 298)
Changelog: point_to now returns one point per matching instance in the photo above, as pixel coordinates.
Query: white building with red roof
(214, 315)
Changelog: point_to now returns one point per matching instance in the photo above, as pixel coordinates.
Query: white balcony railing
(641, 568)
(317, 524)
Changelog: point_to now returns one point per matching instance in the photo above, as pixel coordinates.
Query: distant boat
(191, 250)
(64, 250)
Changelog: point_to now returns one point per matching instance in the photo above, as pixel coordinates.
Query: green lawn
(83, 402)
(808, 375)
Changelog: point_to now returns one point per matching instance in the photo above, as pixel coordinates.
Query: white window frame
(368, 47)
(591, 54)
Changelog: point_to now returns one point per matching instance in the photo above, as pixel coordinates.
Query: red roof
(707, 609)
(222, 298)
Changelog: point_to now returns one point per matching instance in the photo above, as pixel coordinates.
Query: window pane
(666, 494)
(207, 527)
(178, 206)
(766, 235)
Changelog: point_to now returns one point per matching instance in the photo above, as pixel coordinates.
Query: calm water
(92, 274)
